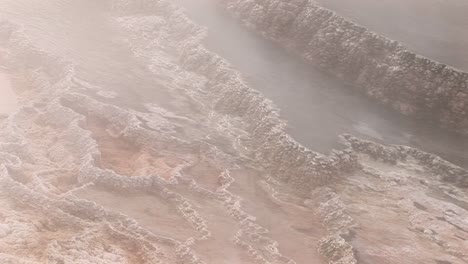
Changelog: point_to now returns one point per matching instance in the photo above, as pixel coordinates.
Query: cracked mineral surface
(133, 142)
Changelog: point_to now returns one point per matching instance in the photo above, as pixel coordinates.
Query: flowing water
(433, 28)
(317, 106)
(122, 151)
(68, 120)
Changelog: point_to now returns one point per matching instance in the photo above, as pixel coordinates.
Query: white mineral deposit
(233, 132)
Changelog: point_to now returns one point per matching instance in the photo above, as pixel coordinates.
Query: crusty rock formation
(89, 176)
(379, 67)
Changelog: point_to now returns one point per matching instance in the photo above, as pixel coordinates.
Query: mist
(435, 29)
(238, 131)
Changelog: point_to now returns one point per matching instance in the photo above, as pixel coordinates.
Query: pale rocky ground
(88, 175)
(404, 215)
(8, 98)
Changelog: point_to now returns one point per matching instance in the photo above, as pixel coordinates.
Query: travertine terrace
(381, 68)
(205, 174)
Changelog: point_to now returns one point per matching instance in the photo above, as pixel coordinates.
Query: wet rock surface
(431, 28)
(205, 173)
(381, 68)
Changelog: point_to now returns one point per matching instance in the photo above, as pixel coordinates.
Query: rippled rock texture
(379, 67)
(209, 176)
